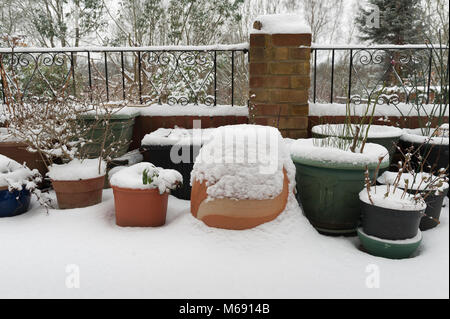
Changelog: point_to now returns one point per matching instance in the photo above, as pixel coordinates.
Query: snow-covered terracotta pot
(236, 214)
(385, 135)
(231, 191)
(78, 184)
(143, 205)
(435, 149)
(140, 207)
(329, 181)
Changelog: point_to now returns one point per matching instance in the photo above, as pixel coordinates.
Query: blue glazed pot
(14, 203)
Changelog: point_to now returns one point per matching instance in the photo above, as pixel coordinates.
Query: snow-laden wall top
(280, 24)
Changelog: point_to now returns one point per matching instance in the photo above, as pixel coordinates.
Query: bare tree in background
(437, 17)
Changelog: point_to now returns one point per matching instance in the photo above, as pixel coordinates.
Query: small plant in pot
(392, 213)
(141, 194)
(432, 187)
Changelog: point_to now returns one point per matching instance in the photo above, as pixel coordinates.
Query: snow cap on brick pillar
(280, 50)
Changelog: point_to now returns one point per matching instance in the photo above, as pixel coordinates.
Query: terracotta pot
(140, 207)
(19, 153)
(236, 214)
(79, 194)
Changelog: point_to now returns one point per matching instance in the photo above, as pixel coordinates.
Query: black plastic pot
(438, 157)
(159, 155)
(433, 211)
(390, 224)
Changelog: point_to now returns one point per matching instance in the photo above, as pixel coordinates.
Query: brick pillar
(279, 81)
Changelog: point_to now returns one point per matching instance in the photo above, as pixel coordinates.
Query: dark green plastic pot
(328, 194)
(388, 249)
(121, 128)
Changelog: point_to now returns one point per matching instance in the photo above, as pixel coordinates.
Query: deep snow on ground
(285, 258)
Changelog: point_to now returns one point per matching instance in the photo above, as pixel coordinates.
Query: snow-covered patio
(285, 258)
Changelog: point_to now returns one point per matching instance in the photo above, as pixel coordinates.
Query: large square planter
(157, 147)
(121, 128)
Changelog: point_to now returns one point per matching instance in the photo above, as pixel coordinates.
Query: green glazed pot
(389, 249)
(121, 128)
(329, 194)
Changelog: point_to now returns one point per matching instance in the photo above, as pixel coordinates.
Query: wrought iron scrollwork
(373, 68)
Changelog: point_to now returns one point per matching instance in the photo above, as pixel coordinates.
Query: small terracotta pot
(79, 194)
(140, 207)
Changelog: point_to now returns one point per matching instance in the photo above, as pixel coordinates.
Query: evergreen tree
(400, 22)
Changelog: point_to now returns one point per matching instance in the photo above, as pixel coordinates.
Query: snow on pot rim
(308, 152)
(132, 178)
(389, 178)
(416, 136)
(245, 169)
(13, 174)
(77, 169)
(375, 131)
(395, 201)
(178, 136)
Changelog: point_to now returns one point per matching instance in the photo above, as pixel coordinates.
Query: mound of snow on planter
(416, 136)
(179, 136)
(132, 177)
(385, 196)
(244, 162)
(420, 181)
(14, 175)
(282, 24)
(77, 170)
(375, 131)
(312, 150)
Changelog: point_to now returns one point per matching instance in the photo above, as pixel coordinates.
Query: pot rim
(138, 190)
(390, 210)
(335, 165)
(396, 135)
(78, 180)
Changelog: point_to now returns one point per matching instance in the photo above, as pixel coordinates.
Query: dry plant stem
(355, 140)
(368, 182)
(377, 170)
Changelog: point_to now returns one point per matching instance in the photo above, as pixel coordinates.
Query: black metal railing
(182, 75)
(359, 73)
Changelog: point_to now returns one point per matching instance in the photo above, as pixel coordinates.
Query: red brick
(260, 54)
(289, 96)
(300, 82)
(259, 40)
(258, 68)
(280, 54)
(294, 122)
(300, 53)
(291, 40)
